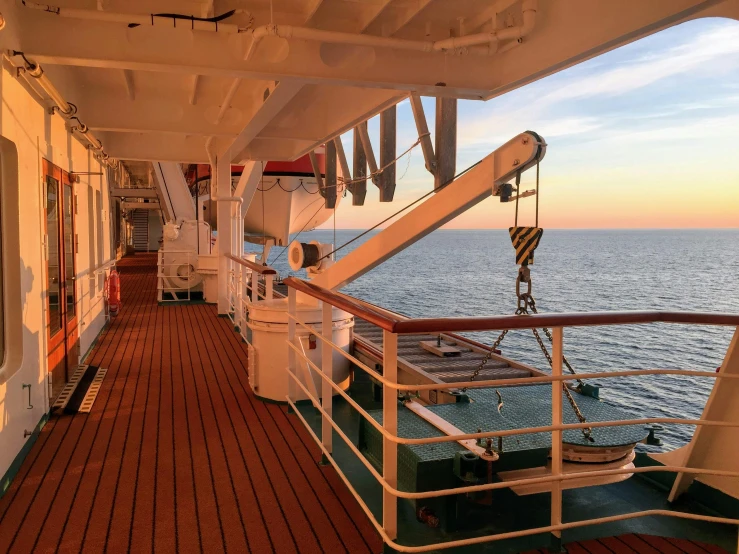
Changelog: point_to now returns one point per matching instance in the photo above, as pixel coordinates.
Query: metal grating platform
(411, 354)
(423, 467)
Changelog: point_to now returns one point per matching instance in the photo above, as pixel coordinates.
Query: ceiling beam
(373, 12)
(177, 50)
(401, 18)
(349, 122)
(130, 86)
(152, 147)
(317, 115)
(313, 6)
(264, 113)
(106, 111)
(486, 15)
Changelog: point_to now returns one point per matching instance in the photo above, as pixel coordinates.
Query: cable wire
(444, 185)
(296, 236)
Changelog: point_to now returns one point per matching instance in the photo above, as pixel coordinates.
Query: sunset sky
(644, 136)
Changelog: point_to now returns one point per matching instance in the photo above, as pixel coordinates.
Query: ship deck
(177, 454)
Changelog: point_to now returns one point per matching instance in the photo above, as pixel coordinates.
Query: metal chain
(587, 431)
(489, 355)
(526, 301)
(532, 304)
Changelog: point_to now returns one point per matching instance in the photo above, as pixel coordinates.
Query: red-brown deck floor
(177, 454)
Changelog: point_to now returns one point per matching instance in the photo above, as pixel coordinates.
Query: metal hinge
(46, 247)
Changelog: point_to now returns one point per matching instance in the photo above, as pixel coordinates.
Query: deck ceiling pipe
(135, 20)
(514, 33)
(336, 37)
(67, 110)
(34, 70)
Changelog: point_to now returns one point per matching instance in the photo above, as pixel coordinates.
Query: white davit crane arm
(516, 155)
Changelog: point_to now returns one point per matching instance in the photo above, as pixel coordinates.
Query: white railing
(388, 479)
(245, 278)
(164, 285)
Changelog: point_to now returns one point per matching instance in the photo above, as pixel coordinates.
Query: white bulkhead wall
(30, 134)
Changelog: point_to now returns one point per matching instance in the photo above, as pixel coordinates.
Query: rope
(382, 169)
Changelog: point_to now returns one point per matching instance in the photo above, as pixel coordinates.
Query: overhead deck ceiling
(160, 92)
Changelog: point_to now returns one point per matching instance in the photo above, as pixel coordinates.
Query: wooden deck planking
(177, 454)
(39, 470)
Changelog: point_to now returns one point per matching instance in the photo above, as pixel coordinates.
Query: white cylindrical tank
(268, 352)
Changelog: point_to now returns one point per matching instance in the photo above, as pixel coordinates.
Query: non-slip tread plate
(92, 392)
(61, 401)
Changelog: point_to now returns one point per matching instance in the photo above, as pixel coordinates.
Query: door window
(69, 271)
(53, 252)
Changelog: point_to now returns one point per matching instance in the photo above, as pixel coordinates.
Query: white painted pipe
(64, 108)
(37, 73)
(509, 33)
(144, 20)
(95, 143)
(333, 37)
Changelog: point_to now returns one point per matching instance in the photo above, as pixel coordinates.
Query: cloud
(717, 44)
(556, 107)
(718, 128)
(505, 128)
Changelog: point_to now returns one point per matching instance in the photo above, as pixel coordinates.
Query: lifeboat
(287, 201)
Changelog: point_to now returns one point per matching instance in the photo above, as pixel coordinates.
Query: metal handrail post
(269, 287)
(556, 510)
(239, 304)
(390, 423)
(254, 286)
(291, 332)
(327, 367)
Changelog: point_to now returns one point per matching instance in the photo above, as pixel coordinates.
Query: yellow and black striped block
(525, 240)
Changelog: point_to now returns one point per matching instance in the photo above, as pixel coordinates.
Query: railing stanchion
(239, 302)
(556, 509)
(254, 286)
(291, 328)
(268, 286)
(390, 423)
(327, 367)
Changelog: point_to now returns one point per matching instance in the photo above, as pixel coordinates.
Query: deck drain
(63, 398)
(92, 392)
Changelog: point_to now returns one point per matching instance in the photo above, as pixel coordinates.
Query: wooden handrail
(261, 269)
(400, 325)
(573, 319)
(343, 302)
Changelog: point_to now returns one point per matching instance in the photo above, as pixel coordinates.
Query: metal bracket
(423, 133)
(28, 386)
(368, 152)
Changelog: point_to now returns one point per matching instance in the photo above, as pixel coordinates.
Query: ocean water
(472, 273)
